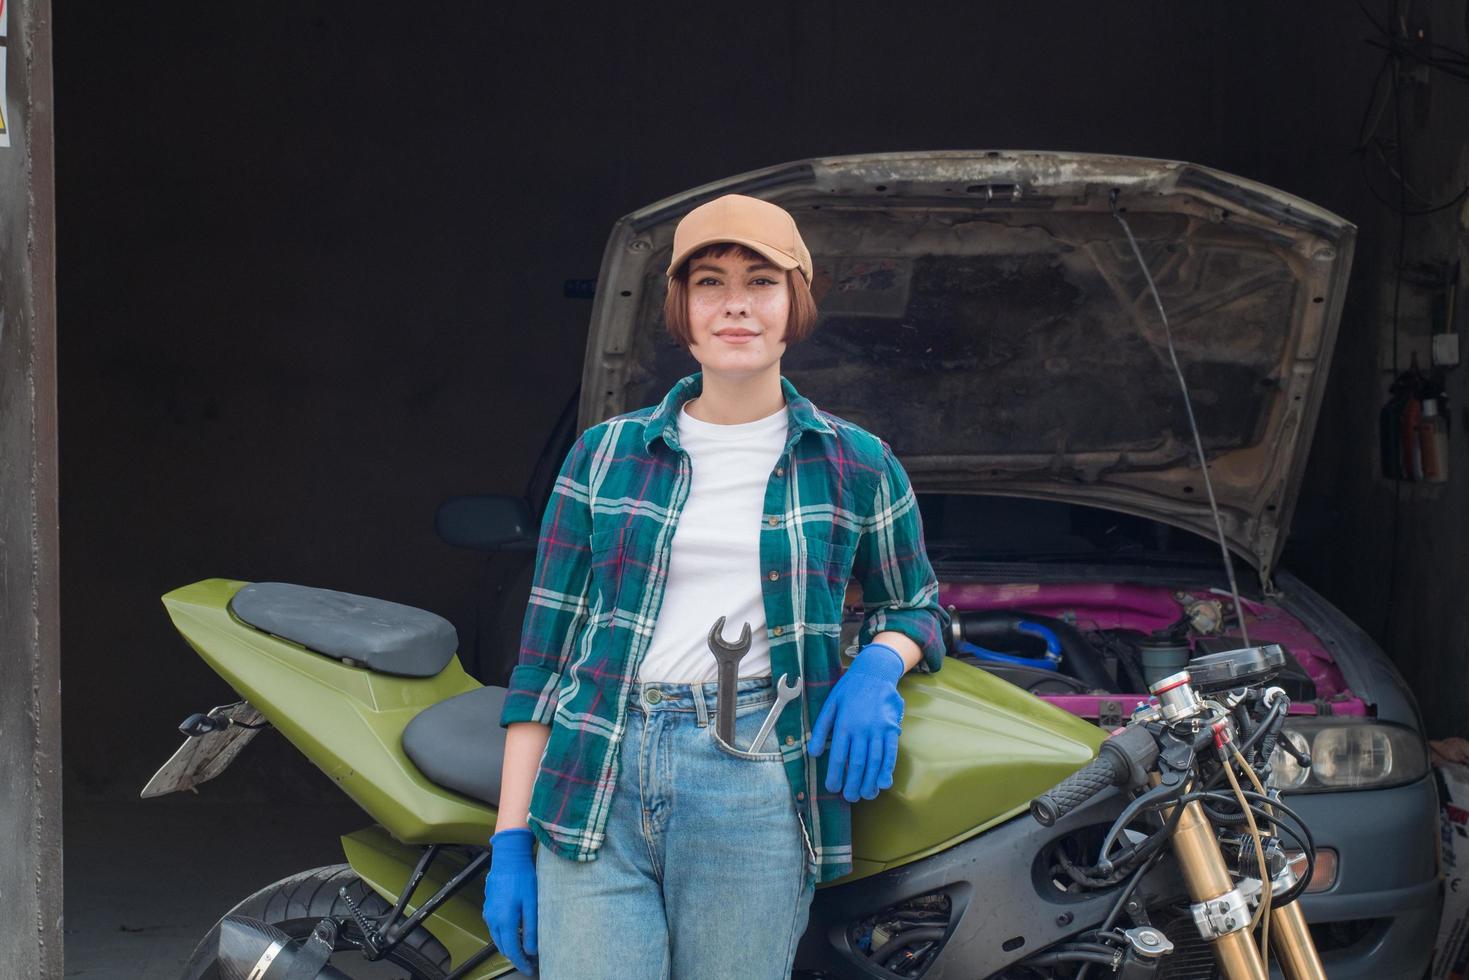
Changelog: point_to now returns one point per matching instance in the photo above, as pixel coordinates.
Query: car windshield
(983, 527)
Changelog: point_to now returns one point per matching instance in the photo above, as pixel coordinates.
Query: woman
(667, 850)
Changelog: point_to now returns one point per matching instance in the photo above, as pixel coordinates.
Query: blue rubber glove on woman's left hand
(510, 897)
(862, 716)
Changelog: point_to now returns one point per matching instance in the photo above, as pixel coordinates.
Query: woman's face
(738, 309)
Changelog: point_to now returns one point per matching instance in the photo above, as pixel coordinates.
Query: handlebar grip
(1076, 789)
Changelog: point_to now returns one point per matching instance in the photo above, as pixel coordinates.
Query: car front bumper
(1381, 917)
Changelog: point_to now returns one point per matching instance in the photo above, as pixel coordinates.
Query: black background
(311, 259)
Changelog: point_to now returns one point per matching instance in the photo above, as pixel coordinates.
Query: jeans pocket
(748, 719)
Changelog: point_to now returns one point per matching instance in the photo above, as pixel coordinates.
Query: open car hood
(983, 312)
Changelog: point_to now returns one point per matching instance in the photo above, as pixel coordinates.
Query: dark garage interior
(320, 267)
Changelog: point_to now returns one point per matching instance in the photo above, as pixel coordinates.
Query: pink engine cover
(1107, 605)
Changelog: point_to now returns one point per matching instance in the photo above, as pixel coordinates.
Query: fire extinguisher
(1408, 422)
(1413, 427)
(1433, 440)
(1395, 426)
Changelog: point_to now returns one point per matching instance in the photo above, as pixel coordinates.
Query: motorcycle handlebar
(1103, 771)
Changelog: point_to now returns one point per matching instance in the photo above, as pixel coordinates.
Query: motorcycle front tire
(296, 904)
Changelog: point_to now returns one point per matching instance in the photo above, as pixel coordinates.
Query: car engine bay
(1093, 648)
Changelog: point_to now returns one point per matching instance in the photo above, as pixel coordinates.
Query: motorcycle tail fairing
(347, 720)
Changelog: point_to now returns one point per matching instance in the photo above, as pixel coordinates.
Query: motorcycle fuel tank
(974, 751)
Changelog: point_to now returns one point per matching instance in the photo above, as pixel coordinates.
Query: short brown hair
(799, 323)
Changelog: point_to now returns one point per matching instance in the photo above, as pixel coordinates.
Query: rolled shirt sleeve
(899, 589)
(557, 610)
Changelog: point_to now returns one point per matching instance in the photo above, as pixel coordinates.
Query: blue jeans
(703, 873)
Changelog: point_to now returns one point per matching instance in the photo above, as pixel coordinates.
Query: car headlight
(1349, 753)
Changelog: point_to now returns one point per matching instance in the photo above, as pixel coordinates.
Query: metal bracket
(314, 953)
(1284, 880)
(1227, 913)
(379, 938)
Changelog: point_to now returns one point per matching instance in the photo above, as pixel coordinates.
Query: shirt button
(653, 696)
(790, 740)
(778, 630)
(772, 520)
(780, 471)
(774, 575)
(800, 796)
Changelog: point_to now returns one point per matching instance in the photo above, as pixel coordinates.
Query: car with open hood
(987, 315)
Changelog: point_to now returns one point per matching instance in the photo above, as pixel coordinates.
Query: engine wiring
(1268, 824)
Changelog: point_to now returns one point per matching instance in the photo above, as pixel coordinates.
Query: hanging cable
(1188, 407)
(1262, 911)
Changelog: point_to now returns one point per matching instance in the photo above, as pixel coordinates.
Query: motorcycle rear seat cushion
(383, 636)
(458, 743)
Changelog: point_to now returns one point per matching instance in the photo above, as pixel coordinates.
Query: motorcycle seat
(458, 743)
(382, 636)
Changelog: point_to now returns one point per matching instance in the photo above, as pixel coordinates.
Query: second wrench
(784, 695)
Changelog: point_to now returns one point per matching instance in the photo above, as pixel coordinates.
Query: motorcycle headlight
(1349, 753)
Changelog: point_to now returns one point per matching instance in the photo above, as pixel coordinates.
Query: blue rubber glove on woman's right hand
(510, 897)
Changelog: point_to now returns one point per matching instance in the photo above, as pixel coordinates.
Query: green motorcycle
(951, 878)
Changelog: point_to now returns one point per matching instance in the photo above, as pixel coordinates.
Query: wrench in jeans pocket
(783, 695)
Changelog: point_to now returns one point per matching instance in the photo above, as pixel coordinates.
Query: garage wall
(1394, 554)
(30, 681)
(312, 257)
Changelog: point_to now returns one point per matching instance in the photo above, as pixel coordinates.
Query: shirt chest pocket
(827, 567)
(618, 565)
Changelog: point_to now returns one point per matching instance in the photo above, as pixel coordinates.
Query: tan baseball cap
(767, 228)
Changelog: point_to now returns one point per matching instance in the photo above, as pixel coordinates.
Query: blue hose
(1051, 660)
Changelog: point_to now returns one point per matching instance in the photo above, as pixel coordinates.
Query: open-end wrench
(728, 657)
(783, 696)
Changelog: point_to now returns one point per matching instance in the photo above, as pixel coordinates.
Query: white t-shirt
(714, 567)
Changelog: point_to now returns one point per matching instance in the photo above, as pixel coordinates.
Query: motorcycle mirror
(486, 522)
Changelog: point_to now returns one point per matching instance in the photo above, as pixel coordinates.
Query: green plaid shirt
(837, 505)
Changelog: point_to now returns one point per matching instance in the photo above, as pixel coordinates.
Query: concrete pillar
(30, 662)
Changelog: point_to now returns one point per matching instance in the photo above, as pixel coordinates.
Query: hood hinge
(1267, 585)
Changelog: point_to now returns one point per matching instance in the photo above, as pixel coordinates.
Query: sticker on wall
(4, 100)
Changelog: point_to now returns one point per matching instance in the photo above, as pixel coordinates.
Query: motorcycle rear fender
(347, 720)
(385, 865)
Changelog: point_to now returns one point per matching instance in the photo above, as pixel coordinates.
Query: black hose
(1131, 859)
(1275, 717)
(1293, 826)
(1090, 947)
(1121, 902)
(1158, 796)
(907, 937)
(1267, 749)
(1062, 956)
(1280, 809)
(1080, 658)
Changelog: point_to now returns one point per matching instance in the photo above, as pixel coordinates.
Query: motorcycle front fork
(1197, 849)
